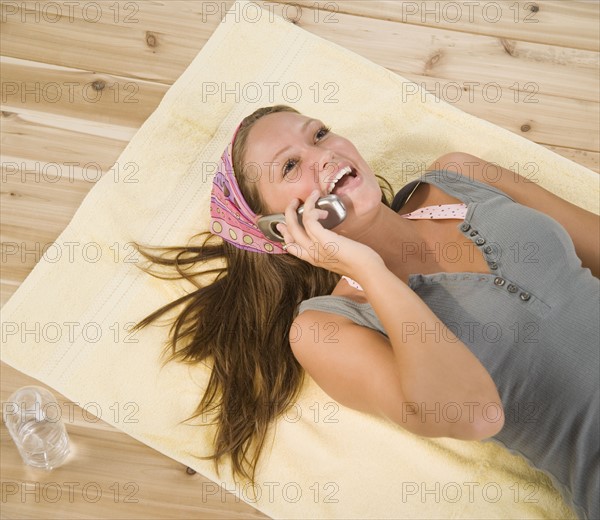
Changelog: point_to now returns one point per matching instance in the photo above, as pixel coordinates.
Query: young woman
(465, 308)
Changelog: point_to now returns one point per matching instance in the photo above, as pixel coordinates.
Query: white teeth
(339, 175)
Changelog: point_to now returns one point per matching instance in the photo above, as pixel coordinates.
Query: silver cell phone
(336, 213)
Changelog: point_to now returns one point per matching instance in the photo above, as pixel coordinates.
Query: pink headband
(231, 217)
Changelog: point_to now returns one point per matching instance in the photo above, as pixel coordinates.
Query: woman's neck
(390, 235)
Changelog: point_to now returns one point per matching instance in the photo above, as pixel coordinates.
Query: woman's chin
(360, 203)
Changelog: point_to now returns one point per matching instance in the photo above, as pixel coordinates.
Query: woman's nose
(324, 163)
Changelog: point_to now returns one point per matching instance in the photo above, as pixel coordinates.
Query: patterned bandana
(231, 218)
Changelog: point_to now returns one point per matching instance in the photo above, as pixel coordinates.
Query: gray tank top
(533, 323)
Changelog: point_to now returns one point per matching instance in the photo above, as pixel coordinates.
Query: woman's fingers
(319, 237)
(285, 233)
(291, 229)
(319, 246)
(309, 240)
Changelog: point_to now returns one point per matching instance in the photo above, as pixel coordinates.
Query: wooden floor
(77, 82)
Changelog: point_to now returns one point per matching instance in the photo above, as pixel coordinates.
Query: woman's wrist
(369, 272)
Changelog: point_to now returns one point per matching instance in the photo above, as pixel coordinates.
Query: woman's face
(290, 155)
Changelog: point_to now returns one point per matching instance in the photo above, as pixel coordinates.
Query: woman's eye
(285, 166)
(325, 130)
(322, 132)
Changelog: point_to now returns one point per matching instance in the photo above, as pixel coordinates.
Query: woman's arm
(435, 370)
(423, 378)
(583, 227)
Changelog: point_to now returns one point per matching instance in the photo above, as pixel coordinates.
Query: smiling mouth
(341, 179)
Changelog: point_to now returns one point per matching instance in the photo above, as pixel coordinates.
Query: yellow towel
(326, 461)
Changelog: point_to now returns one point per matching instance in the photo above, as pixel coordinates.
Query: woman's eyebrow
(304, 126)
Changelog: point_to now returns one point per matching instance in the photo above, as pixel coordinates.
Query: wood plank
(571, 24)
(79, 93)
(45, 140)
(543, 119)
(101, 129)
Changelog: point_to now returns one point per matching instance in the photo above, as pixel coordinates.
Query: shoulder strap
(462, 187)
(404, 194)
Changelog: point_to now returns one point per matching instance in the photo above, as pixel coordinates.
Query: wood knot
(151, 39)
(98, 84)
(190, 471)
(534, 8)
(433, 60)
(525, 128)
(509, 47)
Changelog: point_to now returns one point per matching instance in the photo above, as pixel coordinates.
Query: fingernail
(315, 192)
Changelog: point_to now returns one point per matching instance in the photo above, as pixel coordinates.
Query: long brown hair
(241, 322)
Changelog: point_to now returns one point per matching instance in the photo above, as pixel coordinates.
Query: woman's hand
(322, 247)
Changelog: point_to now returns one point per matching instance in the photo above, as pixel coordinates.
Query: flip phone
(336, 213)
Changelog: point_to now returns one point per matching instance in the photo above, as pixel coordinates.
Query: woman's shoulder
(344, 297)
(347, 303)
